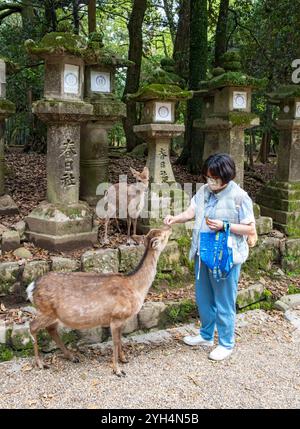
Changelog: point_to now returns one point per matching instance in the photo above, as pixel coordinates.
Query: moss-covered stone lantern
(159, 97)
(62, 222)
(227, 110)
(7, 108)
(158, 126)
(100, 70)
(280, 198)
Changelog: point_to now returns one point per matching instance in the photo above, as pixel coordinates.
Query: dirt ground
(26, 179)
(262, 372)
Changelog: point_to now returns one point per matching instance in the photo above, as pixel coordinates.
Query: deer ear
(147, 239)
(138, 239)
(154, 243)
(133, 171)
(146, 171)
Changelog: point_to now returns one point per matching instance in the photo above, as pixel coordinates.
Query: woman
(219, 200)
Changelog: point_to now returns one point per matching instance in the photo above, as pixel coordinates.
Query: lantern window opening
(71, 79)
(100, 81)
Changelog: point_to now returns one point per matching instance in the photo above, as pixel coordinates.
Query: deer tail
(29, 290)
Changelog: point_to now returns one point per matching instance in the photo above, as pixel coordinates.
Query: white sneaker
(195, 340)
(220, 353)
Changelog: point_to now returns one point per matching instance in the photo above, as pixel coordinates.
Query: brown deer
(135, 194)
(87, 300)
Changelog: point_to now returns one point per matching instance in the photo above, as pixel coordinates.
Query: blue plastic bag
(215, 252)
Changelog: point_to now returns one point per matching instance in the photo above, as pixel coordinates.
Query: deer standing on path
(88, 300)
(135, 195)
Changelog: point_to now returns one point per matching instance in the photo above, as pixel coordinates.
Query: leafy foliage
(263, 30)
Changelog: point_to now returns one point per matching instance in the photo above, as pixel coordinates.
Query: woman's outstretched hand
(169, 220)
(215, 224)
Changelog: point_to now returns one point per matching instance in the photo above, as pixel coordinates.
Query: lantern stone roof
(284, 92)
(92, 51)
(230, 74)
(57, 43)
(232, 78)
(96, 53)
(162, 84)
(160, 91)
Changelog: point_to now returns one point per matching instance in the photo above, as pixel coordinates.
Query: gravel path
(263, 372)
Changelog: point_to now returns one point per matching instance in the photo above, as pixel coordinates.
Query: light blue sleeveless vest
(227, 208)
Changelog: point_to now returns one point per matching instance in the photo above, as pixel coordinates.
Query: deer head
(156, 239)
(141, 178)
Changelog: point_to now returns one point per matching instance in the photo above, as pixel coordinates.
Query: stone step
(10, 240)
(153, 315)
(250, 295)
(264, 225)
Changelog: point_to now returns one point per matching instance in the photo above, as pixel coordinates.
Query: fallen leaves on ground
(26, 181)
(172, 294)
(26, 367)
(14, 315)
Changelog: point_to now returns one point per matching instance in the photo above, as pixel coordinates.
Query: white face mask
(214, 184)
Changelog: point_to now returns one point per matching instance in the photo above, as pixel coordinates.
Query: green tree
(192, 153)
(266, 33)
(135, 26)
(221, 32)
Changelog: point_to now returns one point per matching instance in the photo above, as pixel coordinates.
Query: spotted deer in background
(135, 194)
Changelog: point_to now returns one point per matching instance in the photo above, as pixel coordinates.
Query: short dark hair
(220, 165)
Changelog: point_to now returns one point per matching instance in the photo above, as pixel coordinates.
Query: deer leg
(105, 240)
(117, 223)
(40, 322)
(122, 356)
(115, 332)
(128, 229)
(52, 330)
(134, 226)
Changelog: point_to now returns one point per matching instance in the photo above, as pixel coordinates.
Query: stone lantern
(159, 98)
(227, 111)
(280, 198)
(100, 70)
(62, 222)
(158, 127)
(7, 108)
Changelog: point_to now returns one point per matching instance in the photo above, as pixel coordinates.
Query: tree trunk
(264, 150)
(252, 149)
(92, 16)
(50, 15)
(133, 72)
(75, 14)
(221, 32)
(182, 40)
(168, 8)
(192, 153)
(28, 18)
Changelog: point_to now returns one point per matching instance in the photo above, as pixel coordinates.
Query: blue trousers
(216, 304)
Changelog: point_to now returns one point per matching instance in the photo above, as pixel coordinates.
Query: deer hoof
(124, 360)
(120, 373)
(73, 359)
(41, 365)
